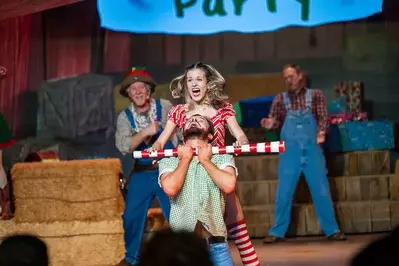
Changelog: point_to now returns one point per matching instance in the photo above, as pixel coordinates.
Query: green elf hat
(136, 74)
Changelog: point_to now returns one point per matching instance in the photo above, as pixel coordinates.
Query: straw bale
(75, 243)
(66, 169)
(67, 190)
(49, 210)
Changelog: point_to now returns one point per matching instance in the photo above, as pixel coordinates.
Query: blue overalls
(143, 188)
(302, 154)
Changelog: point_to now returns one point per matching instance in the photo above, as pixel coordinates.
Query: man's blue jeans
(220, 254)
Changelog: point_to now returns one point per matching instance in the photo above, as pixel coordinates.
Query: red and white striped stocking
(239, 233)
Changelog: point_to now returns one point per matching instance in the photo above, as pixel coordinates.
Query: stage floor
(309, 251)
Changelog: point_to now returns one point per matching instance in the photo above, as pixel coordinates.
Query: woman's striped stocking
(239, 233)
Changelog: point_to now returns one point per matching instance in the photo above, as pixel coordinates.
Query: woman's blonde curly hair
(215, 95)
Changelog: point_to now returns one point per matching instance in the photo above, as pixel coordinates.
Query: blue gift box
(338, 106)
(253, 110)
(360, 136)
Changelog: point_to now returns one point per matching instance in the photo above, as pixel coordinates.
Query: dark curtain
(14, 56)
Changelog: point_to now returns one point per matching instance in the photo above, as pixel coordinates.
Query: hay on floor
(67, 190)
(75, 243)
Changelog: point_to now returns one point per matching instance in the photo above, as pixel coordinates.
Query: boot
(339, 236)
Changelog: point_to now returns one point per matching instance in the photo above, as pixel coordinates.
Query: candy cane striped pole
(264, 147)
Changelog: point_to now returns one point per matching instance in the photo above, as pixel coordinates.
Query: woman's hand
(156, 146)
(241, 141)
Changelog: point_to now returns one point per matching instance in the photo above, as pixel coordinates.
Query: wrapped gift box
(360, 135)
(347, 117)
(353, 91)
(251, 111)
(338, 105)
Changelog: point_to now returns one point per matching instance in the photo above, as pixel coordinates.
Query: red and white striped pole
(264, 147)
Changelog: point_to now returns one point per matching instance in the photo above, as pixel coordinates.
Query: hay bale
(67, 190)
(75, 243)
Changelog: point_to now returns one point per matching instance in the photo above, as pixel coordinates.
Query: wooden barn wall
(16, 8)
(70, 34)
(116, 56)
(167, 55)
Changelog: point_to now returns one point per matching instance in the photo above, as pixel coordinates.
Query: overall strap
(286, 100)
(142, 146)
(158, 106)
(309, 98)
(130, 117)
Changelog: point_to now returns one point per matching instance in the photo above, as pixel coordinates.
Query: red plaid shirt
(298, 102)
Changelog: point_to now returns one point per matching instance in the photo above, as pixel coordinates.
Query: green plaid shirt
(199, 199)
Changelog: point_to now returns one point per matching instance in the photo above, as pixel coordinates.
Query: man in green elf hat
(138, 127)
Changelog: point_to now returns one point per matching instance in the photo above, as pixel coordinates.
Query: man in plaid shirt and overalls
(197, 187)
(302, 115)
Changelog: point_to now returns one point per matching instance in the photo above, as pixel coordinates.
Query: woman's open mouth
(196, 92)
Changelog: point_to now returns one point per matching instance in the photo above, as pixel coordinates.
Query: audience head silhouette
(382, 252)
(23, 250)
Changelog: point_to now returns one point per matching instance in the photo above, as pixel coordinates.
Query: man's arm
(126, 140)
(225, 178)
(321, 112)
(172, 176)
(276, 111)
(172, 182)
(224, 174)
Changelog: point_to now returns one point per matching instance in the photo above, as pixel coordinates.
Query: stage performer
(138, 127)
(202, 87)
(197, 188)
(6, 140)
(303, 116)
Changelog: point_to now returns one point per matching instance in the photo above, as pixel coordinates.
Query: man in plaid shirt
(301, 114)
(197, 187)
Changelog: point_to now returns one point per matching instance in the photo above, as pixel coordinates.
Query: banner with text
(213, 16)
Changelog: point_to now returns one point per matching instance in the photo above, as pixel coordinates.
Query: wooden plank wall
(69, 35)
(224, 50)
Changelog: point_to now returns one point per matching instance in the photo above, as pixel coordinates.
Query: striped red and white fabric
(264, 147)
(178, 115)
(239, 233)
